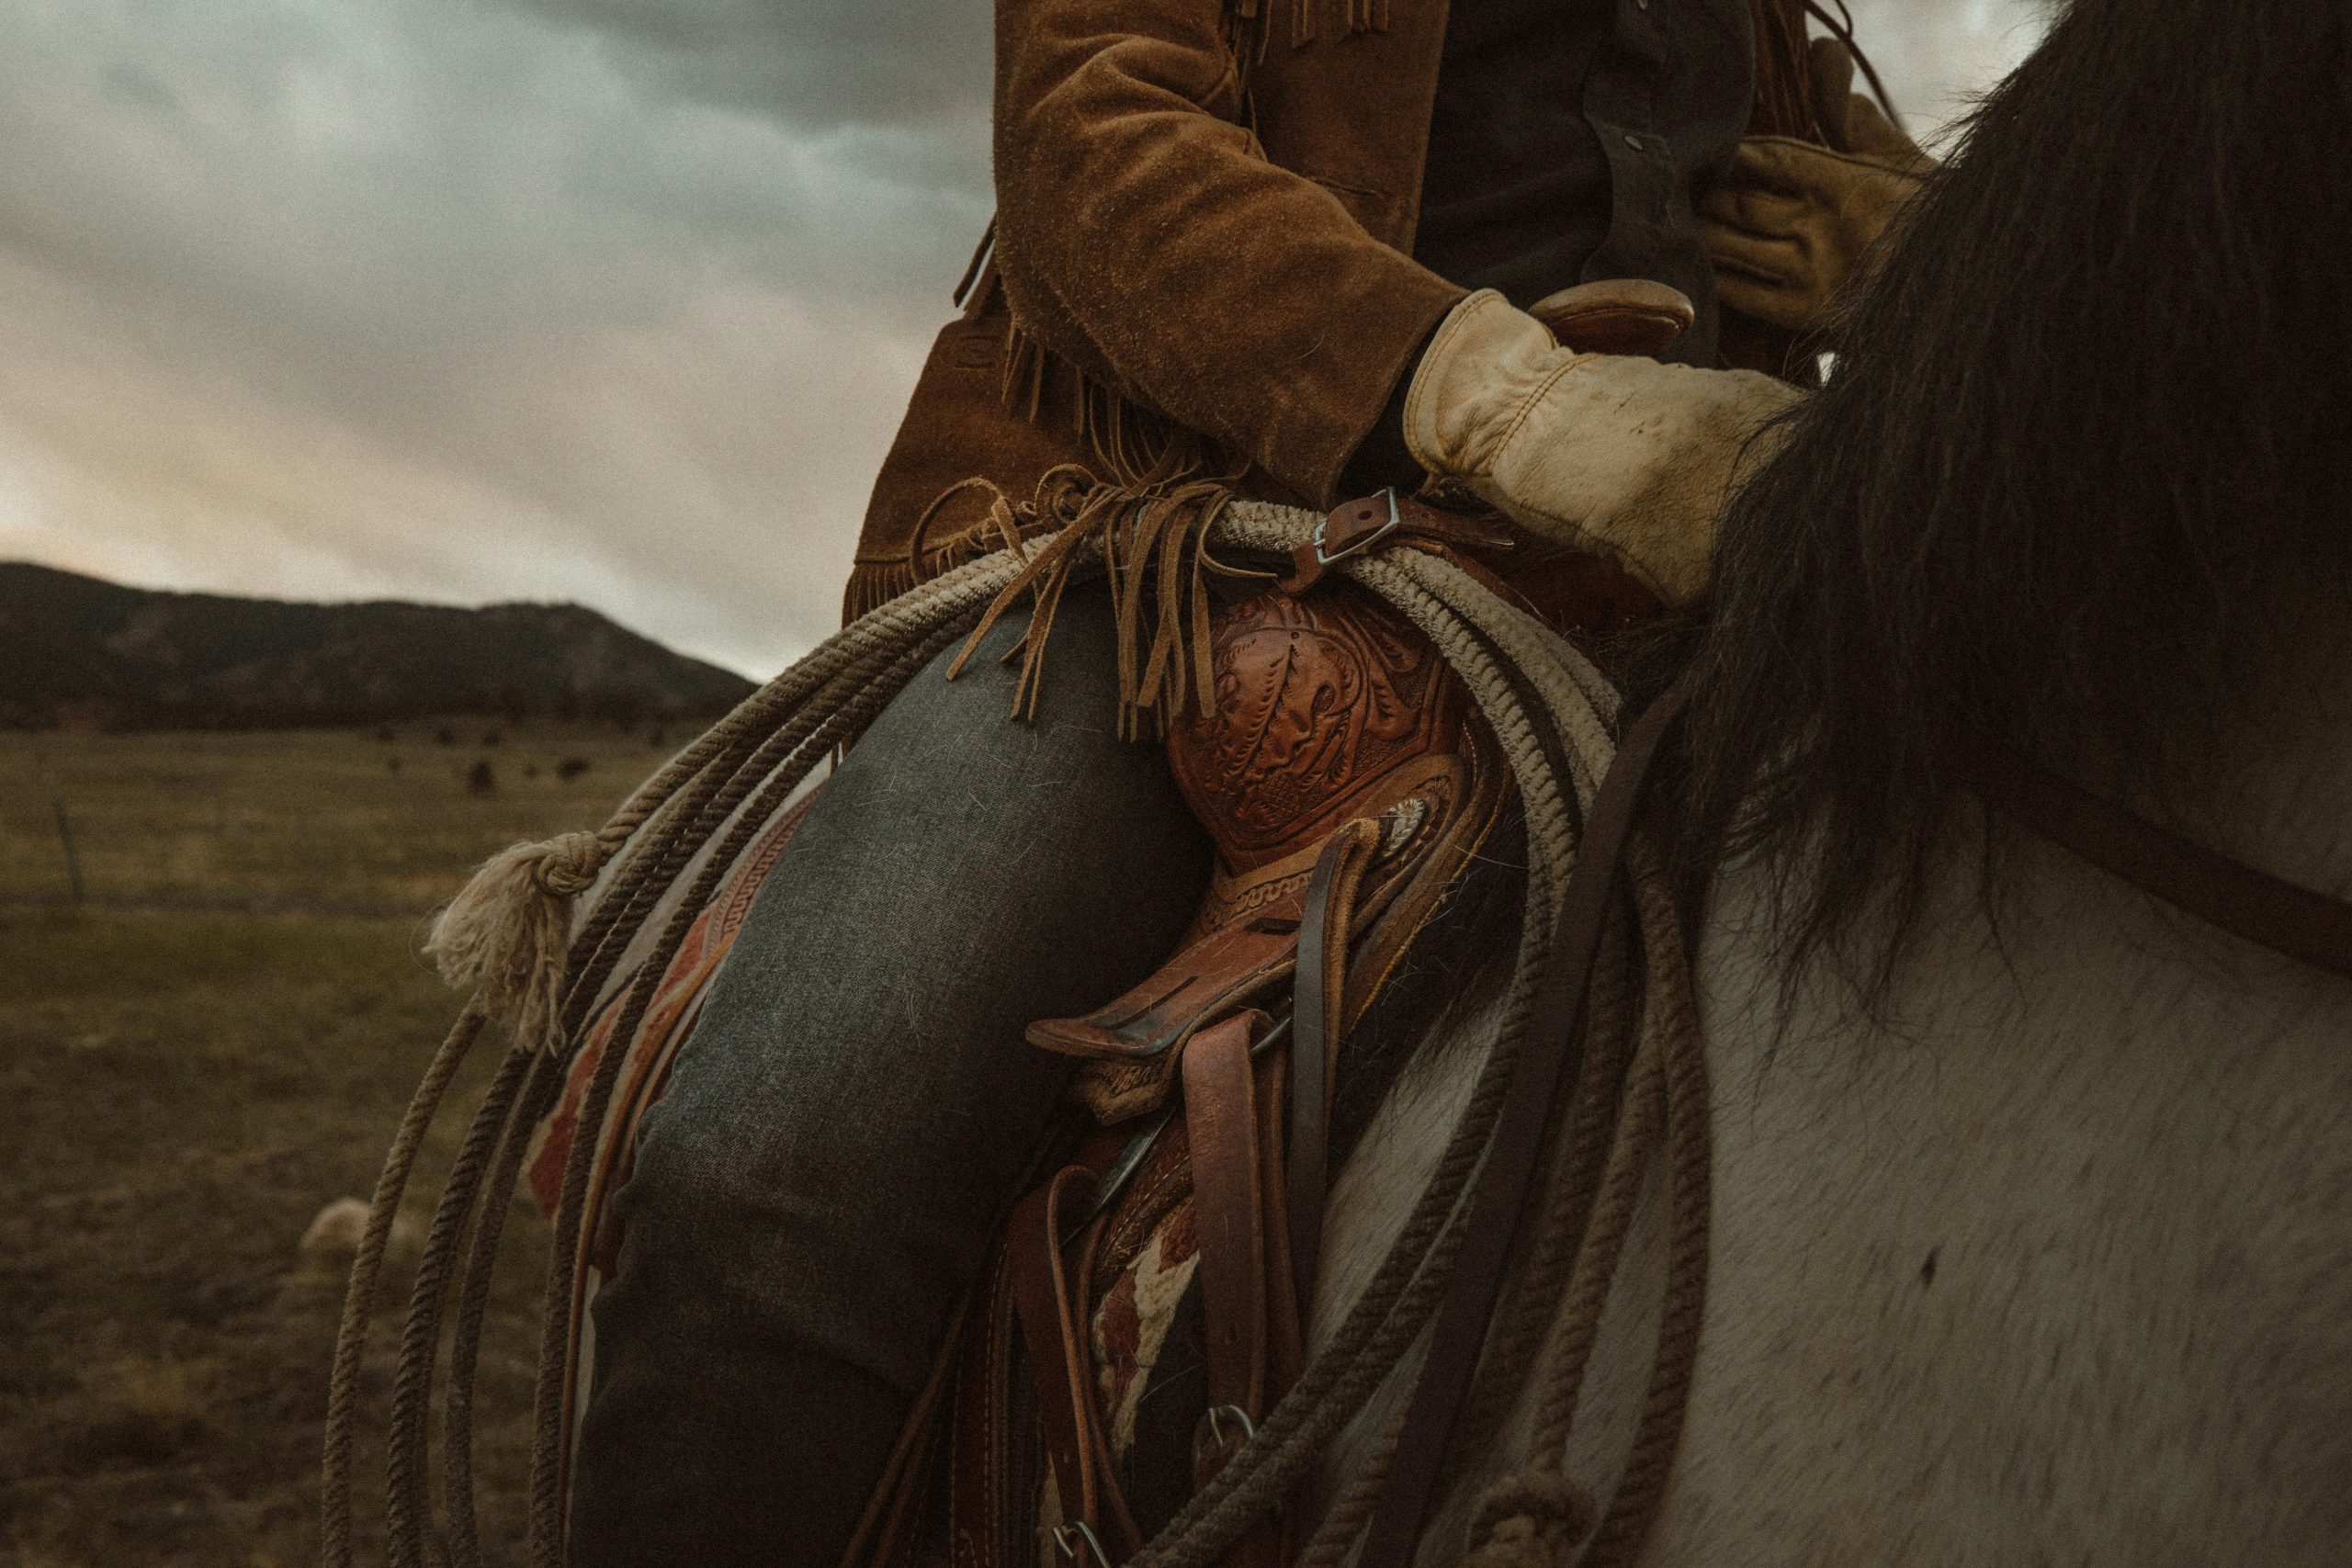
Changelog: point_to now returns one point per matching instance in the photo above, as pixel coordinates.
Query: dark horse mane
(2088, 434)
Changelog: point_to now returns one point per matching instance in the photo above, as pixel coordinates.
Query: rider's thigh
(813, 1191)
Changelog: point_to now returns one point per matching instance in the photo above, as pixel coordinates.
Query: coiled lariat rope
(779, 736)
(514, 937)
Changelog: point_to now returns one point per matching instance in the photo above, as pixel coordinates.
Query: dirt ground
(212, 1046)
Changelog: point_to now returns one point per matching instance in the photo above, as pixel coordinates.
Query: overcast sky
(467, 301)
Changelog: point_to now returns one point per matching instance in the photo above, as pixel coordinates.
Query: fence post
(65, 835)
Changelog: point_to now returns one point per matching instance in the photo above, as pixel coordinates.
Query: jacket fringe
(1126, 446)
(1154, 544)
(1784, 104)
(1355, 16)
(874, 583)
(1246, 32)
(1126, 442)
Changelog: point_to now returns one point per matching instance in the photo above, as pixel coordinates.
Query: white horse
(2046, 1258)
(2038, 1248)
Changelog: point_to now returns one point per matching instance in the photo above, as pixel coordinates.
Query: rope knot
(505, 934)
(568, 864)
(1532, 1520)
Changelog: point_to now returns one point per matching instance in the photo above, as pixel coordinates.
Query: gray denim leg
(811, 1194)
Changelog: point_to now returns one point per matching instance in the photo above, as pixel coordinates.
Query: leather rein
(2228, 895)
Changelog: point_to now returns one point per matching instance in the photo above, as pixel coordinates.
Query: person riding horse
(1225, 248)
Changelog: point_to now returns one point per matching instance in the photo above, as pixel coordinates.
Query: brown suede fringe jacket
(1200, 265)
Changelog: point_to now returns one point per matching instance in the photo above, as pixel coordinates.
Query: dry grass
(334, 818)
(188, 1086)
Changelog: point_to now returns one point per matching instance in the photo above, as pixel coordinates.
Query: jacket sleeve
(1143, 236)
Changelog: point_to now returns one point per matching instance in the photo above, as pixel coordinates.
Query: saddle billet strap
(2223, 893)
(984, 1526)
(1232, 1114)
(1318, 1026)
(1228, 1213)
(882, 1529)
(1232, 1122)
(1554, 1043)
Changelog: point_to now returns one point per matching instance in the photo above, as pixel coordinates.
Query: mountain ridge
(80, 651)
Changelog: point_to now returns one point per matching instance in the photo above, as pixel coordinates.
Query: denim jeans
(812, 1193)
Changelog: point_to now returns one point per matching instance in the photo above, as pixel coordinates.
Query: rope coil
(541, 964)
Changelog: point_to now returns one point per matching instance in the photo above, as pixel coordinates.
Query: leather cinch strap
(1554, 1048)
(1228, 1207)
(2237, 898)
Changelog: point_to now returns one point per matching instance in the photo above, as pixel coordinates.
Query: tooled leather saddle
(1346, 787)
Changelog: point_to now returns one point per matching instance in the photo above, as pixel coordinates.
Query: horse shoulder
(2049, 1259)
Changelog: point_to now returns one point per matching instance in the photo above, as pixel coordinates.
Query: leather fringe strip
(1784, 104)
(1154, 549)
(1355, 16)
(1128, 443)
(1134, 455)
(1247, 29)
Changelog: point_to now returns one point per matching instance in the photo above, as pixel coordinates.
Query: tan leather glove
(1793, 224)
(1620, 455)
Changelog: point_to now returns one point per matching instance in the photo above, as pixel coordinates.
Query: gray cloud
(470, 299)
(814, 62)
(1935, 56)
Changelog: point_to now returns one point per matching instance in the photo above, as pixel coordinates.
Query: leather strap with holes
(1228, 1214)
(1055, 1302)
(1381, 519)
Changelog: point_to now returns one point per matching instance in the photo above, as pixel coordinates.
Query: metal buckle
(1241, 1416)
(1081, 1529)
(1325, 556)
(1209, 1441)
(1122, 1171)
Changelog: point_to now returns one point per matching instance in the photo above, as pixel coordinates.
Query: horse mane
(2085, 428)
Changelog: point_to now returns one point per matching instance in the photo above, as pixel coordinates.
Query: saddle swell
(1319, 701)
(1330, 708)
(1346, 786)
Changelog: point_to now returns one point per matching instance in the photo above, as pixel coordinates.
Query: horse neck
(2082, 1134)
(2275, 790)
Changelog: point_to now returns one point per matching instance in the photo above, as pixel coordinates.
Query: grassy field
(195, 1061)
(368, 821)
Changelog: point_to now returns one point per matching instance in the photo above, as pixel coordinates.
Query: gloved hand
(1620, 455)
(1793, 224)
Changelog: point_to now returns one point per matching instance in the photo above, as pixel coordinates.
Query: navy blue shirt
(1569, 139)
(1515, 196)
(1568, 142)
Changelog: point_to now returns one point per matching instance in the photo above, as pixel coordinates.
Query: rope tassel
(505, 936)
